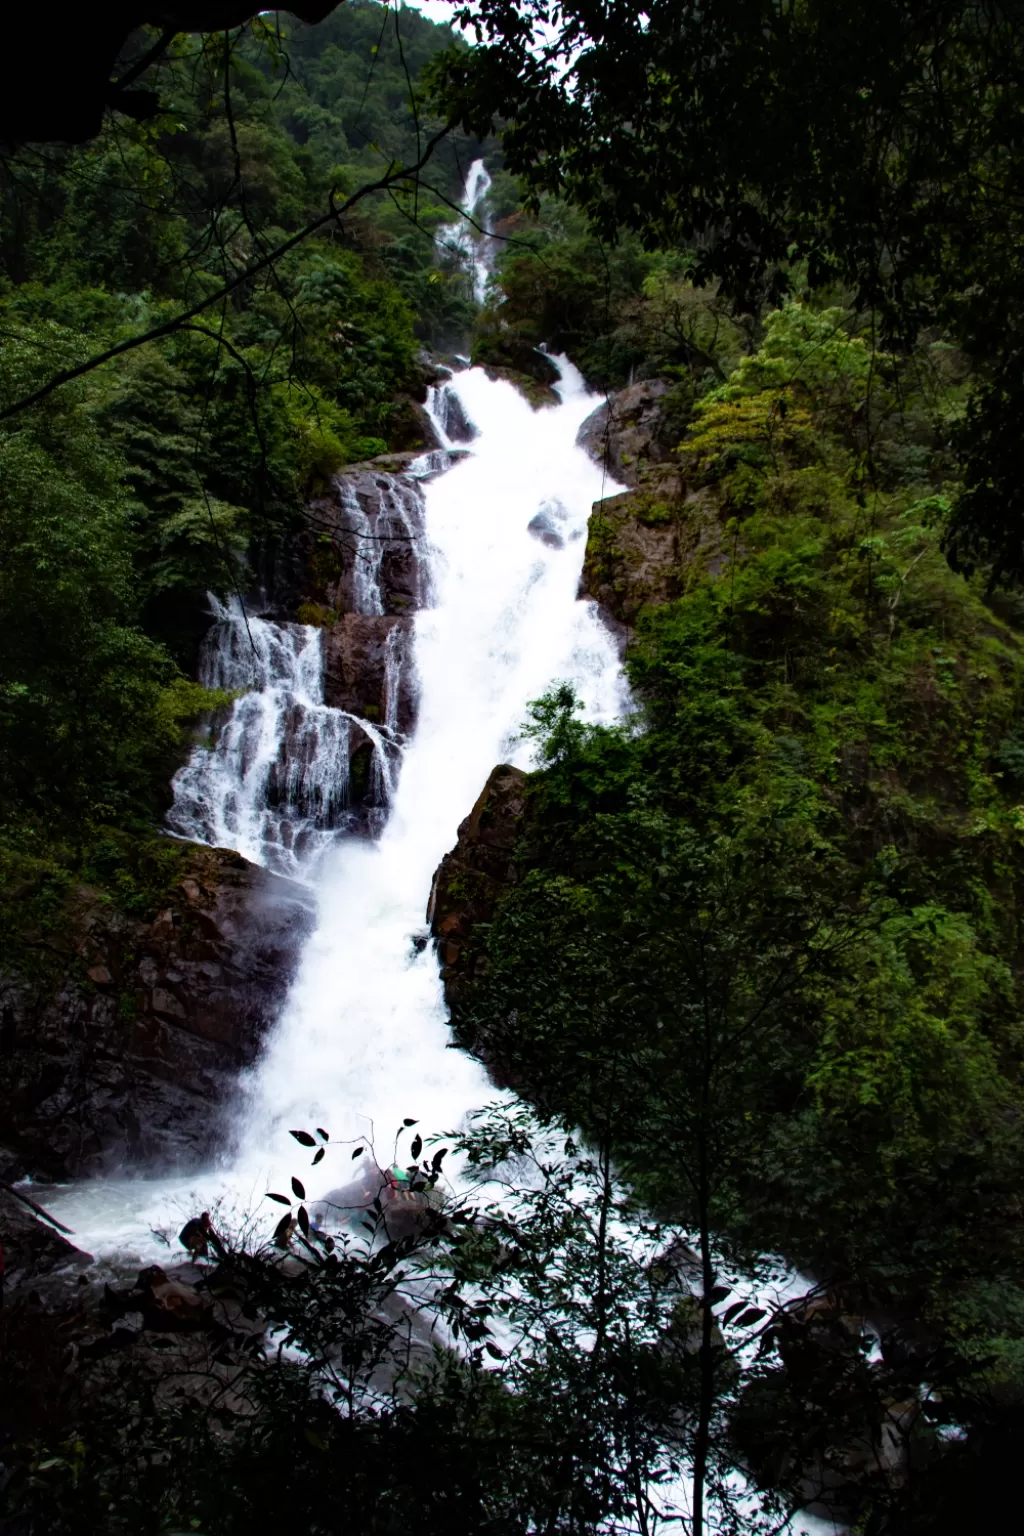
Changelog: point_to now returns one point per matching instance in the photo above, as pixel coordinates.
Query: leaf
(358, 1153)
(281, 1199)
(316, 1440)
(438, 1158)
(303, 1138)
(410, 1122)
(324, 1135)
(417, 1146)
(719, 1293)
(298, 1189)
(751, 1315)
(318, 1155)
(304, 1220)
(733, 1311)
(494, 1352)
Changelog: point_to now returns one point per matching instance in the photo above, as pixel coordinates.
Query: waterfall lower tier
(363, 1041)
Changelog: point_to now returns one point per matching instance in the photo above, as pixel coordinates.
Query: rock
(368, 669)
(548, 525)
(137, 1070)
(358, 546)
(411, 428)
(635, 433)
(535, 393)
(471, 880)
(646, 545)
(455, 423)
(505, 353)
(33, 1250)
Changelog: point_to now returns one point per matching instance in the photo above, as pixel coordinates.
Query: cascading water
(462, 240)
(274, 783)
(363, 1041)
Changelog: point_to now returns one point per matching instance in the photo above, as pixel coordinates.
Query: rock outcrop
(368, 669)
(473, 877)
(32, 1249)
(646, 544)
(127, 1049)
(636, 432)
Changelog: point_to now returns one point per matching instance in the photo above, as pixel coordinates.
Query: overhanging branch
(268, 260)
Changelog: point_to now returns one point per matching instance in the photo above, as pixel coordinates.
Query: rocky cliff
(472, 878)
(646, 543)
(123, 1047)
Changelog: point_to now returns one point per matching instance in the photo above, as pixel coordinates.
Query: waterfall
(274, 782)
(363, 1039)
(464, 243)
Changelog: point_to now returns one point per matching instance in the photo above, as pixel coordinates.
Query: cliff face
(124, 1050)
(646, 543)
(472, 878)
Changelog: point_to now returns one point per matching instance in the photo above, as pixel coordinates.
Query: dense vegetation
(127, 495)
(764, 944)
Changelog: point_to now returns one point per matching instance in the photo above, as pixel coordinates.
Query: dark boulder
(634, 435)
(368, 669)
(129, 1049)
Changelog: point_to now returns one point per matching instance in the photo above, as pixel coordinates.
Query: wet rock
(645, 548)
(368, 669)
(536, 393)
(358, 548)
(452, 415)
(32, 1249)
(137, 1070)
(646, 545)
(506, 353)
(548, 525)
(472, 879)
(410, 428)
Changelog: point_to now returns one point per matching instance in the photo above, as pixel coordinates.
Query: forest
(745, 966)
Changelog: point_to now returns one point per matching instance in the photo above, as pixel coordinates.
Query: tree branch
(388, 180)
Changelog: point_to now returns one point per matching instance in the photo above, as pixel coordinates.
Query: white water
(463, 240)
(363, 1040)
(274, 782)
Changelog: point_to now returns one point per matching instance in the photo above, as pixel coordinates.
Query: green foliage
(174, 469)
(765, 937)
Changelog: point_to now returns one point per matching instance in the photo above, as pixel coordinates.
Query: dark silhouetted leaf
(318, 1154)
(438, 1158)
(719, 1293)
(410, 1122)
(733, 1311)
(281, 1199)
(303, 1220)
(303, 1138)
(324, 1135)
(357, 1153)
(417, 1146)
(298, 1189)
(752, 1315)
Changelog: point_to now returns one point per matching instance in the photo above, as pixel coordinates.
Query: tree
(79, 61)
(873, 145)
